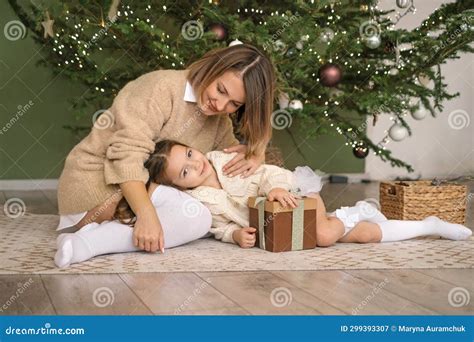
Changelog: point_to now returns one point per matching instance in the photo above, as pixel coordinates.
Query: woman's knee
(325, 237)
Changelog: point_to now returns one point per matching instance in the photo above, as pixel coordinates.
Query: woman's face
(225, 95)
(187, 167)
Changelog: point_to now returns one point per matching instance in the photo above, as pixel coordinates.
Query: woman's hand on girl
(148, 233)
(239, 165)
(283, 196)
(245, 237)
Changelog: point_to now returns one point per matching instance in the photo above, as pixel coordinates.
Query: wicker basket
(416, 200)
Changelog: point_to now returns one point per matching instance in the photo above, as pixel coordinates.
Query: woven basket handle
(392, 190)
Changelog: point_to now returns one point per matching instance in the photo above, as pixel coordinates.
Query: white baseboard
(351, 177)
(28, 184)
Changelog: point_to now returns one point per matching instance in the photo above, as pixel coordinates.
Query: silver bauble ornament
(373, 42)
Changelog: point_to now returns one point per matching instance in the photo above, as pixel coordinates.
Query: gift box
(416, 200)
(281, 228)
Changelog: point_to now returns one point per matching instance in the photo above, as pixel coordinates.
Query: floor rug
(27, 246)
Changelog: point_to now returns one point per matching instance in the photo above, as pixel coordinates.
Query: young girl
(185, 168)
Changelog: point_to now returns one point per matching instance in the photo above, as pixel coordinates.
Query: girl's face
(187, 167)
(224, 95)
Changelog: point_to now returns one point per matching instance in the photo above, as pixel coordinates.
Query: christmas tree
(337, 62)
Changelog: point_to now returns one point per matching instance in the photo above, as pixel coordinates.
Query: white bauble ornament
(278, 45)
(373, 42)
(283, 100)
(326, 35)
(235, 42)
(424, 80)
(403, 3)
(398, 132)
(299, 45)
(296, 104)
(393, 71)
(420, 113)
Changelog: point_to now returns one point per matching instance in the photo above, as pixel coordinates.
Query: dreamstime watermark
(465, 26)
(458, 296)
(281, 119)
(369, 207)
(192, 30)
(112, 200)
(281, 296)
(103, 119)
(14, 30)
(14, 207)
(458, 119)
(22, 109)
(46, 330)
(182, 129)
(96, 36)
(196, 292)
(22, 287)
(273, 41)
(192, 208)
(370, 33)
(375, 290)
(102, 297)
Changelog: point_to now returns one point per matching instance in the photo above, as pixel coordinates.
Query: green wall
(35, 144)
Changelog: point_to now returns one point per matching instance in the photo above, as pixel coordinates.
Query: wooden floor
(361, 292)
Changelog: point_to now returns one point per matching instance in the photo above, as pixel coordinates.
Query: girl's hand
(245, 237)
(147, 233)
(239, 165)
(283, 196)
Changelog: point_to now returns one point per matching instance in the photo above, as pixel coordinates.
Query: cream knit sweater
(228, 205)
(146, 110)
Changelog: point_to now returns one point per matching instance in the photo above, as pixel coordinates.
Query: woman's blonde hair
(258, 76)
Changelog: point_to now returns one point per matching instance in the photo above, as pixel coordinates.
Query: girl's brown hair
(258, 76)
(156, 164)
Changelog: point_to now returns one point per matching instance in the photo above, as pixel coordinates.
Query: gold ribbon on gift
(297, 229)
(260, 203)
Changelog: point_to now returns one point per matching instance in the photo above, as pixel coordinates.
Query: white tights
(182, 218)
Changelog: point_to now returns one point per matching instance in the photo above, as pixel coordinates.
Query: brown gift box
(280, 223)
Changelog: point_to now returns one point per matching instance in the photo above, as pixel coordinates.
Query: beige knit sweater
(228, 205)
(146, 110)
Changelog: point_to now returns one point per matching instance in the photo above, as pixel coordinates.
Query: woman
(190, 106)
